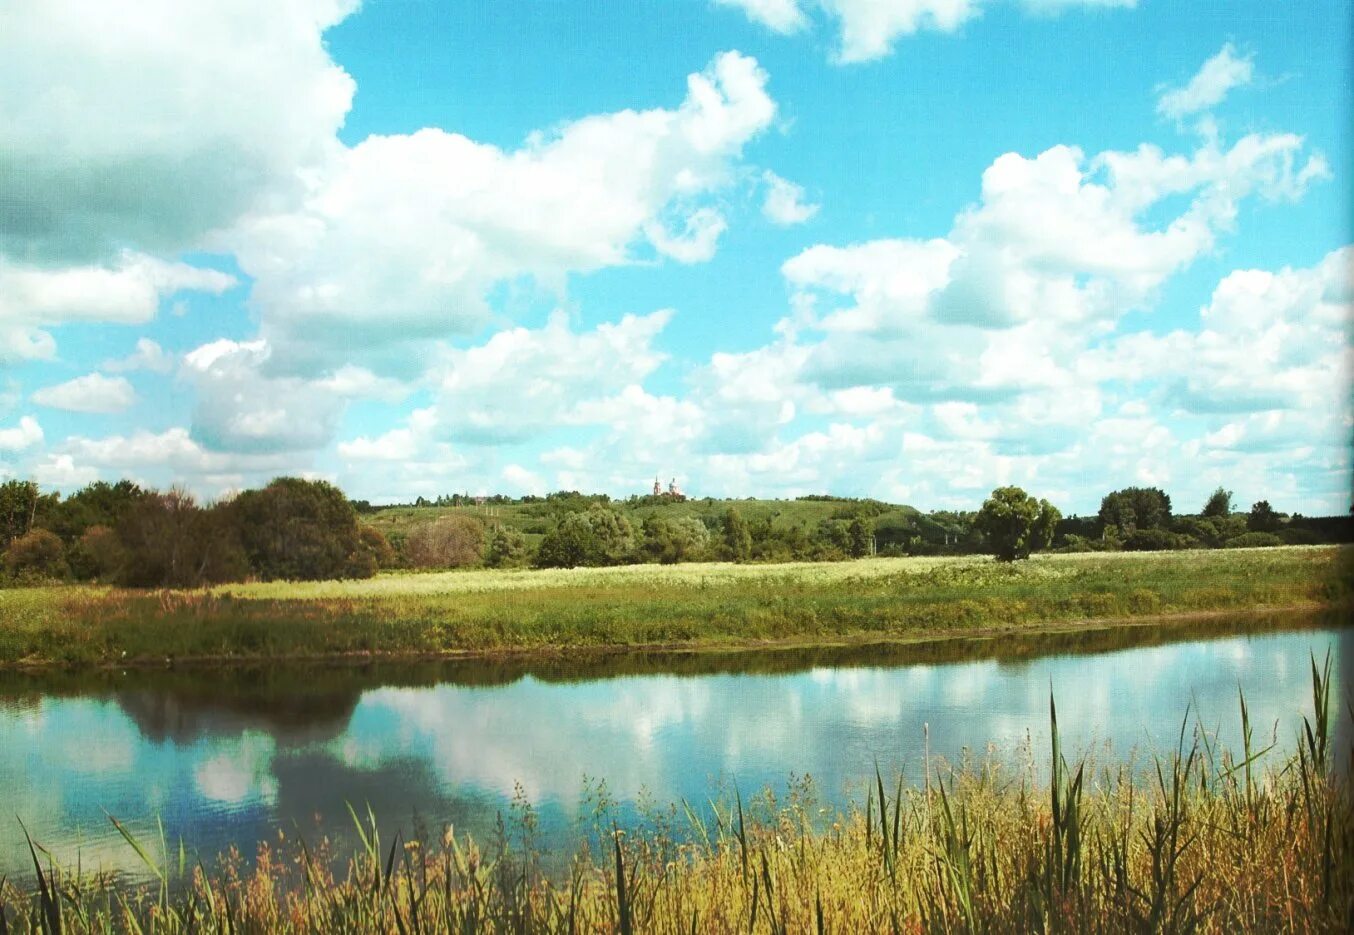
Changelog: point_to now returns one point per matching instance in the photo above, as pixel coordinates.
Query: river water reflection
(231, 757)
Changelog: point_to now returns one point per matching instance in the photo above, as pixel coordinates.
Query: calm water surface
(233, 757)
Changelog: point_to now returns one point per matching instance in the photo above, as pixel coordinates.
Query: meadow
(1211, 841)
(647, 606)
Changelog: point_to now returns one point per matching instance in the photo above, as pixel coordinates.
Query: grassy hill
(533, 519)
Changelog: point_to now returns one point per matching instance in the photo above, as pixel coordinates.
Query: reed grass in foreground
(1213, 843)
(673, 606)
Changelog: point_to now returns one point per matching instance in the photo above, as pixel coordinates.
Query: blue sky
(911, 249)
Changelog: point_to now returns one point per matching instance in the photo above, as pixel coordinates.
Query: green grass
(869, 600)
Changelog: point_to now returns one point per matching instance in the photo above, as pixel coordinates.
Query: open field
(1212, 842)
(668, 606)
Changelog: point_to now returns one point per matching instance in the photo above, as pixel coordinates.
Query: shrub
(1155, 540)
(375, 544)
(454, 541)
(37, 555)
(1076, 543)
(98, 553)
(1252, 540)
(1297, 535)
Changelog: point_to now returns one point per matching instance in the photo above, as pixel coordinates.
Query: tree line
(299, 529)
(119, 533)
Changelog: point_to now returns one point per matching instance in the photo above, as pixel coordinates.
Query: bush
(37, 555)
(1252, 540)
(1076, 543)
(454, 541)
(374, 543)
(1155, 540)
(1297, 535)
(98, 553)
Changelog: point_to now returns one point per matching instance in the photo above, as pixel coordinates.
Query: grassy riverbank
(1213, 842)
(638, 606)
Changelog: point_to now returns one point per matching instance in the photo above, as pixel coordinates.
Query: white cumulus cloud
(27, 434)
(156, 122)
(403, 235)
(93, 392)
(128, 292)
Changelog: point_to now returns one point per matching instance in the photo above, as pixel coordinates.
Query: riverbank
(648, 607)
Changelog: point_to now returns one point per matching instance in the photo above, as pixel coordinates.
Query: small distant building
(673, 492)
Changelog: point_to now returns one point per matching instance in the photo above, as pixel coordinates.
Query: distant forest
(297, 529)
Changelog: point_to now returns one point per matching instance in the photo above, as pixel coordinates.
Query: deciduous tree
(737, 538)
(1016, 524)
(1219, 503)
(1135, 508)
(296, 529)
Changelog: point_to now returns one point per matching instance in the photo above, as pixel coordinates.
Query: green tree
(507, 548)
(22, 506)
(569, 544)
(736, 537)
(615, 536)
(1219, 503)
(1016, 524)
(1135, 508)
(860, 536)
(96, 504)
(169, 541)
(668, 541)
(1263, 518)
(299, 530)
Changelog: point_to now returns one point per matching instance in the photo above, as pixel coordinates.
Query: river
(235, 756)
